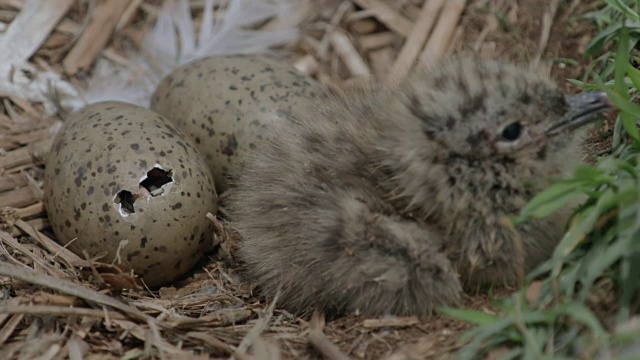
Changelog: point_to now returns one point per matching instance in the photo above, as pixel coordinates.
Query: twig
(348, 53)
(9, 240)
(455, 41)
(319, 340)
(381, 61)
(34, 209)
(547, 23)
(322, 47)
(18, 198)
(37, 224)
(59, 251)
(25, 154)
(29, 30)
(85, 293)
(218, 318)
(12, 182)
(490, 26)
(56, 311)
(386, 15)
(443, 32)
(8, 327)
(254, 333)
(417, 38)
(128, 14)
(212, 341)
(393, 322)
(104, 19)
(307, 65)
(376, 41)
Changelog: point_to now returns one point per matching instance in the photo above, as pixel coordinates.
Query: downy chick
(391, 200)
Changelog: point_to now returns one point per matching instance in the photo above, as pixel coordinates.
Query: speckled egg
(121, 172)
(225, 104)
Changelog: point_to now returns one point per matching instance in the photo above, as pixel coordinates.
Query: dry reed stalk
(29, 30)
(392, 322)
(307, 65)
(26, 154)
(387, 16)
(349, 55)
(321, 342)
(443, 32)
(547, 23)
(104, 19)
(21, 197)
(376, 41)
(417, 38)
(381, 62)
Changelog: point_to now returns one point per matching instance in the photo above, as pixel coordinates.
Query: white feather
(222, 36)
(206, 28)
(184, 25)
(162, 38)
(172, 41)
(45, 87)
(113, 82)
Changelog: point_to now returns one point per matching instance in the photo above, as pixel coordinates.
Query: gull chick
(392, 200)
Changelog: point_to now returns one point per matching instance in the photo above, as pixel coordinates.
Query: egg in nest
(226, 104)
(122, 172)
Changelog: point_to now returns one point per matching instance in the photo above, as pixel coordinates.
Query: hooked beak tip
(583, 108)
(590, 101)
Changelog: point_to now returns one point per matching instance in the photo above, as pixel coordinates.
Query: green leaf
(470, 316)
(586, 219)
(479, 335)
(629, 124)
(583, 315)
(512, 354)
(622, 59)
(599, 41)
(629, 268)
(550, 200)
(623, 104)
(623, 8)
(628, 112)
(634, 75)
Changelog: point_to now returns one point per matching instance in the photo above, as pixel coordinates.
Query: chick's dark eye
(512, 132)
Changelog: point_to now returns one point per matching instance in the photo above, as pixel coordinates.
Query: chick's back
(305, 203)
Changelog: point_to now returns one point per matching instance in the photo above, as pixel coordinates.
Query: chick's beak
(583, 108)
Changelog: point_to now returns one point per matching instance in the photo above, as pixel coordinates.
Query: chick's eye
(512, 132)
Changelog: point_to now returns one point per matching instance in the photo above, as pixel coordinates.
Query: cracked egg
(123, 183)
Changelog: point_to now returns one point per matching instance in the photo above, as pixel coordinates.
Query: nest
(59, 305)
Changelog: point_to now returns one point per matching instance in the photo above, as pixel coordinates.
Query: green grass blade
(470, 316)
(623, 8)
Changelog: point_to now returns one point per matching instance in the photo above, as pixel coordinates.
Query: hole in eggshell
(155, 180)
(125, 199)
(150, 185)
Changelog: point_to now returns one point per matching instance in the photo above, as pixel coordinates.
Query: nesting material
(102, 23)
(419, 34)
(29, 30)
(443, 33)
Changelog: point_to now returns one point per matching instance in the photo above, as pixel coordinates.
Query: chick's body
(391, 200)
